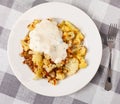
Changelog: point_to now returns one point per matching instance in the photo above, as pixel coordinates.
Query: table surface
(103, 12)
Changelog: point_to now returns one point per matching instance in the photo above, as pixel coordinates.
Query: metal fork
(110, 41)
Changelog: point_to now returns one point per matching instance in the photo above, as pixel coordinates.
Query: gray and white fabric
(103, 12)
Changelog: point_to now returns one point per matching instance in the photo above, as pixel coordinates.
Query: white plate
(92, 41)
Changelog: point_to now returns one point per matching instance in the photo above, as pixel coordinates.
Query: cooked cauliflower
(38, 73)
(83, 63)
(37, 58)
(49, 67)
(60, 75)
(83, 50)
(72, 66)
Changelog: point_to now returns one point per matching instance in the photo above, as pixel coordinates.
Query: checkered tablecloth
(103, 12)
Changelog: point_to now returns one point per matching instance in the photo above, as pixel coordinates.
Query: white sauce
(46, 37)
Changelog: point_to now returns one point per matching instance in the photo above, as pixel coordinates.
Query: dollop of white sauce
(46, 37)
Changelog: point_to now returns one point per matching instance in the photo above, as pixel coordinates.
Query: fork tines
(112, 31)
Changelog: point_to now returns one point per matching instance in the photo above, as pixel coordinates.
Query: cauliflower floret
(83, 63)
(80, 36)
(83, 50)
(60, 75)
(38, 73)
(67, 36)
(37, 58)
(72, 66)
(49, 67)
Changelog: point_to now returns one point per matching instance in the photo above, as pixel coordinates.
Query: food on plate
(54, 50)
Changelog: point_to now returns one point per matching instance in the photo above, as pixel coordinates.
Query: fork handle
(108, 84)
